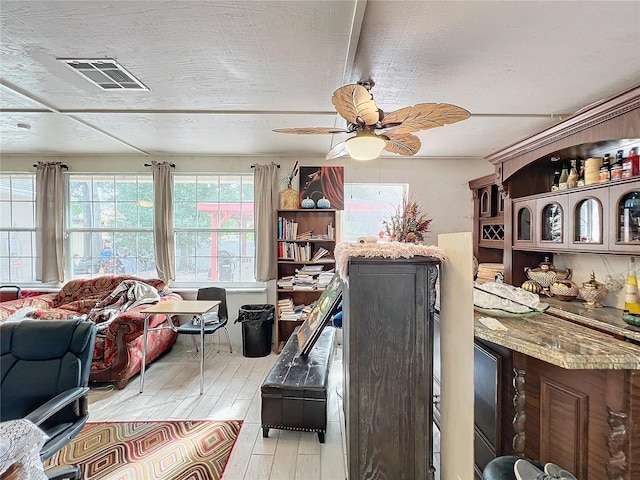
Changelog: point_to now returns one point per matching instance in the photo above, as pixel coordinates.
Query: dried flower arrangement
(407, 224)
(292, 174)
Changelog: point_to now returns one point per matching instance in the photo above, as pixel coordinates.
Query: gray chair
(192, 327)
(45, 368)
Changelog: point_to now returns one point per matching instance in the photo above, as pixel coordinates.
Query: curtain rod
(172, 165)
(277, 165)
(61, 166)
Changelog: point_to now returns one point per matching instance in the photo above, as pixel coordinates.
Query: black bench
(294, 393)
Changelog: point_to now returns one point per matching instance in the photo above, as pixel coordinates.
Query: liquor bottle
(630, 228)
(556, 180)
(564, 176)
(631, 298)
(572, 179)
(616, 168)
(605, 174)
(581, 180)
(630, 165)
(592, 170)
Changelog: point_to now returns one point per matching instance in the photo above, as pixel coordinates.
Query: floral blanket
(127, 295)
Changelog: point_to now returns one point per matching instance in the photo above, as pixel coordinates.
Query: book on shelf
(287, 229)
(310, 269)
(331, 231)
(285, 282)
(308, 235)
(320, 252)
(325, 278)
(287, 311)
(294, 251)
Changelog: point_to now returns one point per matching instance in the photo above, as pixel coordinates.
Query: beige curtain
(49, 222)
(163, 239)
(265, 206)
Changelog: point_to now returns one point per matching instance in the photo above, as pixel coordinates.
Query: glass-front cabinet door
(625, 206)
(552, 217)
(590, 220)
(523, 219)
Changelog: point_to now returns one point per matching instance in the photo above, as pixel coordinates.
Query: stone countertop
(605, 319)
(562, 343)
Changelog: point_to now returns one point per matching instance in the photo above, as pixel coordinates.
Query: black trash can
(257, 324)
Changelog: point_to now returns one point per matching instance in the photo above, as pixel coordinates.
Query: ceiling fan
(376, 130)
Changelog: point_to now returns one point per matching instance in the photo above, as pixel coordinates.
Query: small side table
(181, 307)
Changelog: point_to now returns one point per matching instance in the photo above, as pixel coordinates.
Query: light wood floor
(231, 392)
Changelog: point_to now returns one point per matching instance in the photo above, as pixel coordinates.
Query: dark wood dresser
(388, 367)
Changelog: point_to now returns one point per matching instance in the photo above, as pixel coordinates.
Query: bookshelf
(306, 240)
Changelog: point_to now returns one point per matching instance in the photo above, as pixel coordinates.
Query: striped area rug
(159, 450)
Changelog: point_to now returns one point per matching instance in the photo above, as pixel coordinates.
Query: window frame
(386, 206)
(71, 230)
(95, 263)
(10, 229)
(235, 260)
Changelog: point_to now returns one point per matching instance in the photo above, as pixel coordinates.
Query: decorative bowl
(498, 312)
(502, 300)
(564, 290)
(546, 274)
(593, 292)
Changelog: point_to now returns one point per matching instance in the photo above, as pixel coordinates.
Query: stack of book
(487, 272)
(324, 278)
(287, 310)
(285, 282)
(308, 235)
(306, 278)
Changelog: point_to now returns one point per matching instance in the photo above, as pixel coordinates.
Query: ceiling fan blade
(404, 144)
(355, 101)
(338, 150)
(311, 130)
(423, 116)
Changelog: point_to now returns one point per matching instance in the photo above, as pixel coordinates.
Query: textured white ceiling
(223, 74)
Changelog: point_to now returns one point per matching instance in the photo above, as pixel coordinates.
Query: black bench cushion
(302, 376)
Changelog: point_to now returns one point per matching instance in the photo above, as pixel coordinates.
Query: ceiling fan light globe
(365, 146)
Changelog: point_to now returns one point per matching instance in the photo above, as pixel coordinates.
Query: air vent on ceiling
(106, 73)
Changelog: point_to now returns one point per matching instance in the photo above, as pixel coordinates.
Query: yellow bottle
(631, 297)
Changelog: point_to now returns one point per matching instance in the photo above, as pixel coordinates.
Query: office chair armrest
(54, 405)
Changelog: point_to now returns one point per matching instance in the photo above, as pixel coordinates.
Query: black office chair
(44, 367)
(192, 327)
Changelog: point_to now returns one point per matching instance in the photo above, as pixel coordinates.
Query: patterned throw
(165, 450)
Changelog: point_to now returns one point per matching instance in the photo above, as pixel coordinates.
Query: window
(17, 227)
(214, 228)
(366, 205)
(110, 225)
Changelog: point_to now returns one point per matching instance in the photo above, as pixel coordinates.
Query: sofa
(118, 352)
